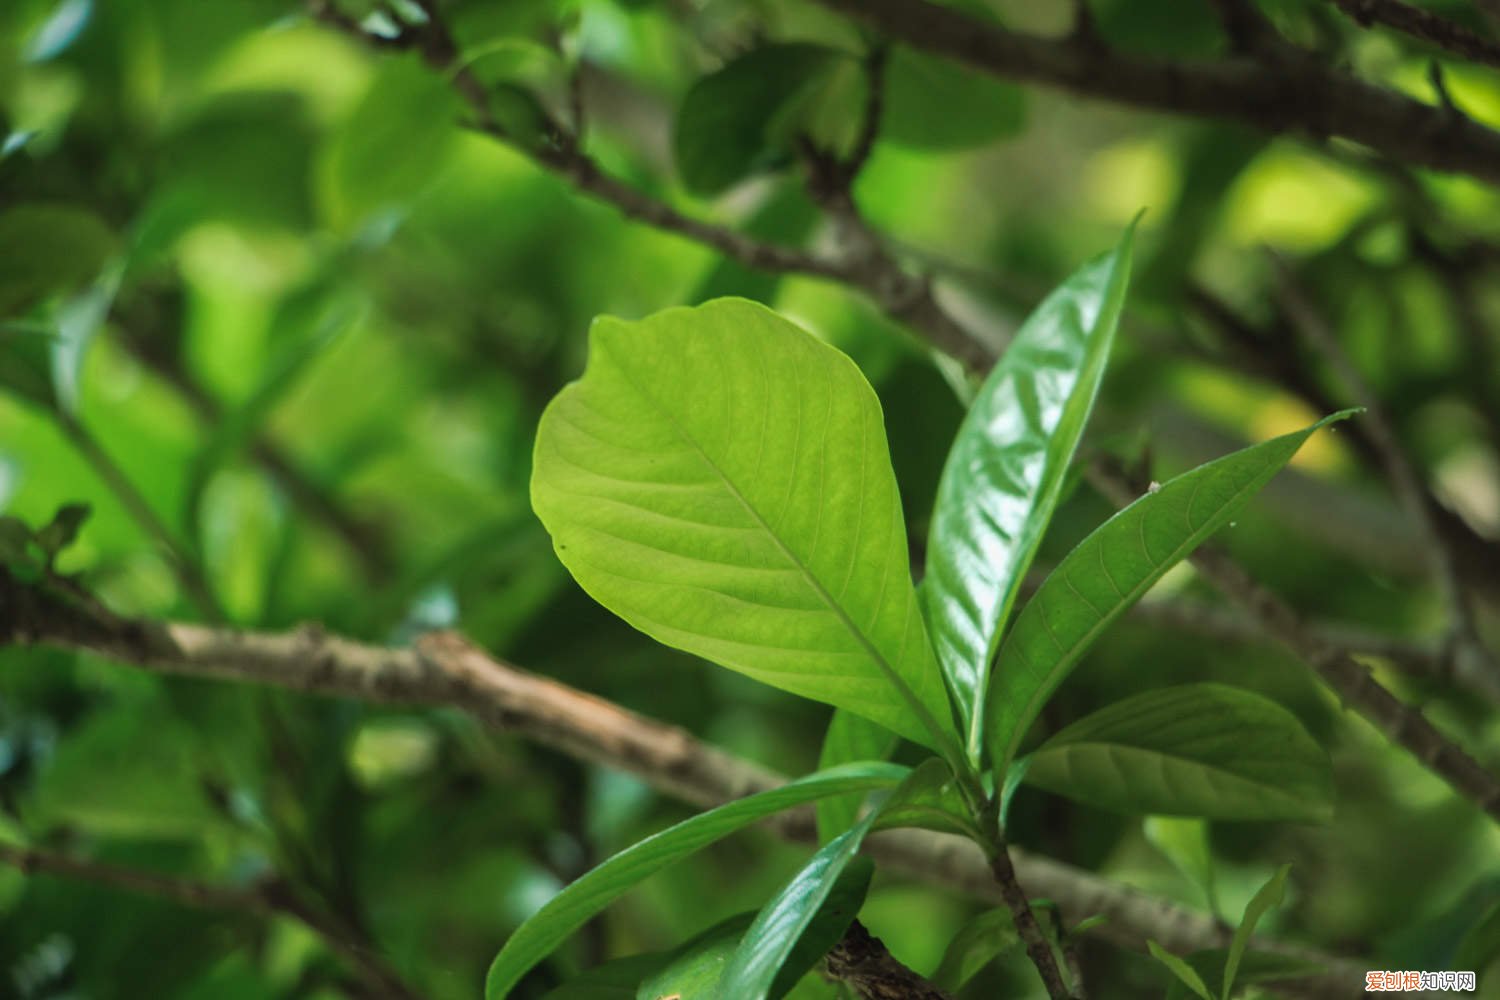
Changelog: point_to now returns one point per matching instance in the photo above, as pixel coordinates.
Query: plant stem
(1038, 948)
(187, 570)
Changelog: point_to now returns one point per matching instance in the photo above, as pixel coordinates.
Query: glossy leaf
(930, 799)
(727, 129)
(1005, 473)
(1185, 973)
(720, 479)
(1194, 750)
(849, 738)
(575, 905)
(755, 965)
(1110, 570)
(695, 970)
(978, 943)
(1270, 895)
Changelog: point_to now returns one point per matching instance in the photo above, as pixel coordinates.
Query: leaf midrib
(907, 694)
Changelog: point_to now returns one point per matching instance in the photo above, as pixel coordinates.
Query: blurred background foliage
(286, 321)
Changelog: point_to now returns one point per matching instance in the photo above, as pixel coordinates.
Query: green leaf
(728, 125)
(932, 103)
(719, 478)
(766, 945)
(696, 969)
(1184, 972)
(1005, 472)
(1110, 570)
(929, 798)
(575, 905)
(47, 248)
(1258, 967)
(1270, 894)
(849, 738)
(63, 529)
(616, 980)
(1184, 842)
(1193, 750)
(1480, 945)
(982, 940)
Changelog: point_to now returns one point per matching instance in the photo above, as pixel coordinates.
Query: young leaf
(1185, 843)
(929, 798)
(753, 969)
(572, 908)
(1193, 750)
(976, 108)
(694, 971)
(1270, 894)
(849, 738)
(1184, 972)
(719, 478)
(981, 941)
(1005, 472)
(1110, 570)
(726, 126)
(62, 529)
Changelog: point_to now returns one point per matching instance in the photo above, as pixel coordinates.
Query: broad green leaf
(1270, 894)
(929, 798)
(975, 108)
(753, 969)
(694, 971)
(1184, 842)
(720, 479)
(727, 127)
(1005, 472)
(849, 738)
(1110, 570)
(1184, 972)
(1193, 750)
(48, 248)
(575, 905)
(982, 940)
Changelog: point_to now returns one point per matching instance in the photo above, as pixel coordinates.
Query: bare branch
(445, 669)
(862, 962)
(1423, 25)
(1297, 93)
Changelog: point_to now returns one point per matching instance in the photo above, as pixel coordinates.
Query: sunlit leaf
(929, 799)
(572, 908)
(1005, 472)
(720, 479)
(1194, 750)
(1110, 570)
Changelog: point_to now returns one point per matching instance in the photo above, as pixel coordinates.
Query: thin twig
(1298, 92)
(266, 898)
(1404, 479)
(1038, 948)
(1423, 25)
(185, 566)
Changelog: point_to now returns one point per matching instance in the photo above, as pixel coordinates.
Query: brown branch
(445, 669)
(1423, 25)
(264, 899)
(862, 962)
(1469, 651)
(1033, 938)
(1296, 93)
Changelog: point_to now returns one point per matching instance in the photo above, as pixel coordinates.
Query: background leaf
(1111, 569)
(982, 940)
(726, 127)
(571, 908)
(1194, 750)
(720, 479)
(1005, 472)
(1185, 973)
(982, 108)
(849, 738)
(1270, 895)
